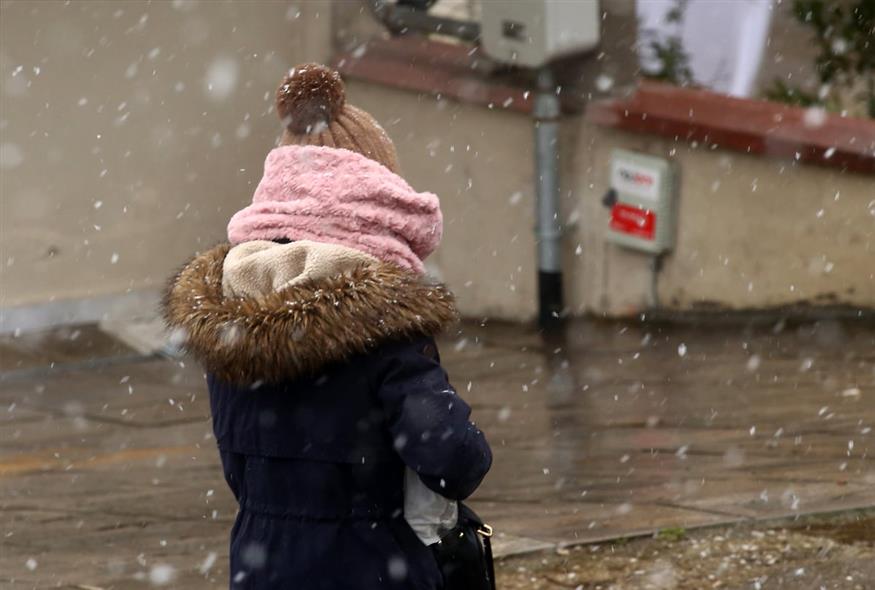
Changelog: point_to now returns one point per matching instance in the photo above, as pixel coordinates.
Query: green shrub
(844, 34)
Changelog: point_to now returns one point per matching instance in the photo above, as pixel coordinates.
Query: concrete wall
(477, 161)
(131, 131)
(753, 232)
(119, 160)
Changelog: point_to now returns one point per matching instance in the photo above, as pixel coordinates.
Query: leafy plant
(673, 63)
(844, 34)
(780, 91)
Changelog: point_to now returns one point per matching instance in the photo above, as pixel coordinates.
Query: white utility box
(643, 212)
(531, 33)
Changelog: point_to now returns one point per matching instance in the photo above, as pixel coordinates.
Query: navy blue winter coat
(317, 411)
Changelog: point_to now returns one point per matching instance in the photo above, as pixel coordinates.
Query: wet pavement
(109, 477)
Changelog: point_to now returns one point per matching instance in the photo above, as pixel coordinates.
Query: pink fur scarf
(336, 196)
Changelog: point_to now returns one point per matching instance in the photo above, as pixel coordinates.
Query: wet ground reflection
(611, 429)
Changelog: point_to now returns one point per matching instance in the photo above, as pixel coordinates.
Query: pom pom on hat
(311, 102)
(310, 97)
(334, 179)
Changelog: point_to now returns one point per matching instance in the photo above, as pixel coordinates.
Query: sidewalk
(109, 476)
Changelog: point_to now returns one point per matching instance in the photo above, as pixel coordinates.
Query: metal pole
(548, 231)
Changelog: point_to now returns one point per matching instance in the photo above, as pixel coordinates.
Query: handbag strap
(484, 531)
(490, 564)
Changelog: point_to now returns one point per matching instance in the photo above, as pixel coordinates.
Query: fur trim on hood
(302, 328)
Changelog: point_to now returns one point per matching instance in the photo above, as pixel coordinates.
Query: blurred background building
(130, 132)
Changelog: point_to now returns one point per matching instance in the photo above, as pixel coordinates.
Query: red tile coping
(752, 126)
(441, 68)
(459, 72)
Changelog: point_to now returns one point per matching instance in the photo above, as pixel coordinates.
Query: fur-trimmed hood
(302, 328)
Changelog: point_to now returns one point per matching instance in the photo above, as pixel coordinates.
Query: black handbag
(464, 554)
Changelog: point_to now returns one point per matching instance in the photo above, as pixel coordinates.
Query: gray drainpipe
(401, 19)
(548, 231)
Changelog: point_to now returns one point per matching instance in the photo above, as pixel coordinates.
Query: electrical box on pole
(527, 34)
(532, 33)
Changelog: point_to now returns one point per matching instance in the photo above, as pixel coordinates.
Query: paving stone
(606, 432)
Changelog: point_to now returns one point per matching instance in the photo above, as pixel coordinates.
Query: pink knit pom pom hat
(334, 180)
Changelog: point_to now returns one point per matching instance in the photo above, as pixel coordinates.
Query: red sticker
(634, 221)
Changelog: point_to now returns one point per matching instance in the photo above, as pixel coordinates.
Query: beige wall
(169, 160)
(118, 160)
(753, 232)
(477, 161)
(737, 247)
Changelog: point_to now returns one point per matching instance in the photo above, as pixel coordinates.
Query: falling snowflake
(162, 574)
(753, 363)
(11, 156)
(221, 78)
(604, 83)
(397, 568)
(851, 392)
(814, 117)
(208, 562)
(254, 555)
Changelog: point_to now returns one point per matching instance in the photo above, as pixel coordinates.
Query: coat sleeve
(430, 423)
